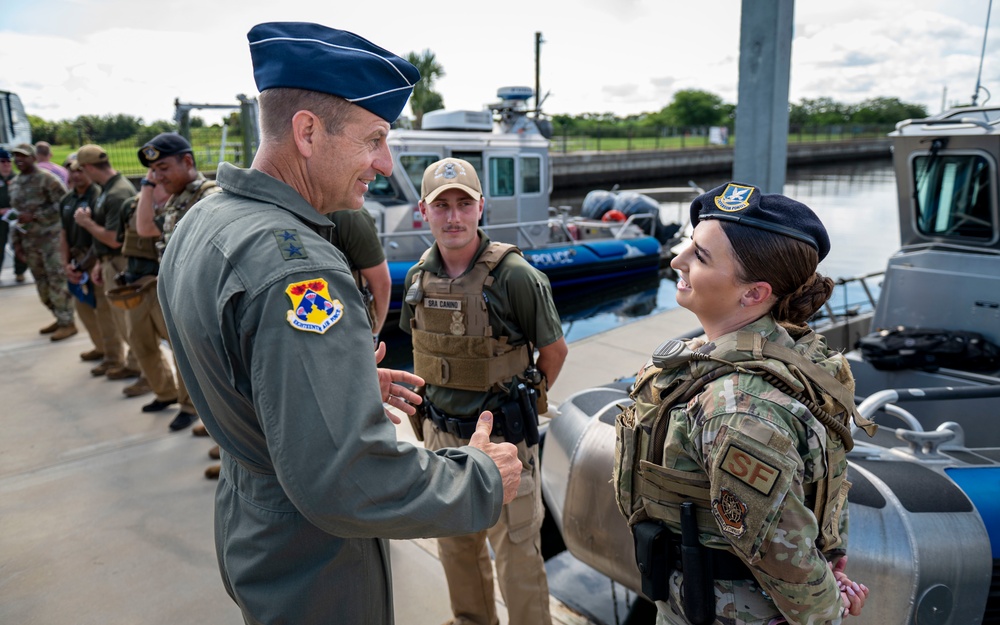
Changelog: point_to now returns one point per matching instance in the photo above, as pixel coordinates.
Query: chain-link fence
(211, 145)
(624, 137)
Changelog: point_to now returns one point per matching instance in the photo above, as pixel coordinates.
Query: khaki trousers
(146, 328)
(111, 266)
(113, 343)
(516, 542)
(88, 316)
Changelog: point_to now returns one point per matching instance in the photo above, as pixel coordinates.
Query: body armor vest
(645, 489)
(136, 246)
(453, 343)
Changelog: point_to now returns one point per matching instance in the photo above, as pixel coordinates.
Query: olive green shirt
(357, 237)
(520, 306)
(107, 210)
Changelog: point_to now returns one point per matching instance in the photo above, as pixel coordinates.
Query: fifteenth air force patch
(313, 310)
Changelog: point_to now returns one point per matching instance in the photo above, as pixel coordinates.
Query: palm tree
(424, 98)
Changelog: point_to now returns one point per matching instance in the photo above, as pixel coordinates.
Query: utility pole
(538, 72)
(761, 148)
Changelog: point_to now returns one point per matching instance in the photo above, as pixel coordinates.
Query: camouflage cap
(26, 149)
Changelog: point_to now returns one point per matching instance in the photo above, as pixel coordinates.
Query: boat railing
(850, 309)
(618, 230)
(922, 443)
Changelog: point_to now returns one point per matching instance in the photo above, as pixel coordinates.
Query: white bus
(14, 125)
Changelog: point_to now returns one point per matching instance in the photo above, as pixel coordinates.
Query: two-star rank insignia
(313, 310)
(289, 244)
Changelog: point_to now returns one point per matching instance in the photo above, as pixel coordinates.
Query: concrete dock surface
(106, 516)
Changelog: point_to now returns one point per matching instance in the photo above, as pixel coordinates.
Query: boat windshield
(954, 196)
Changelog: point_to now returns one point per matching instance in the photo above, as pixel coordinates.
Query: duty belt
(462, 427)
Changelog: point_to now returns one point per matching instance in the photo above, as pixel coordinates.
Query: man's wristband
(146, 182)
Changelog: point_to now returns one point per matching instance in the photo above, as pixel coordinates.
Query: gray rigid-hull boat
(510, 153)
(925, 500)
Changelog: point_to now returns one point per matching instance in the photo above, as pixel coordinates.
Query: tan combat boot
(63, 332)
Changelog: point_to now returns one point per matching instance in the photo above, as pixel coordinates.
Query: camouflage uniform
(763, 453)
(38, 193)
(178, 206)
(19, 265)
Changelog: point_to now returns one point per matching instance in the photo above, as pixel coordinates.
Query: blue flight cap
(301, 55)
(746, 205)
(4, 155)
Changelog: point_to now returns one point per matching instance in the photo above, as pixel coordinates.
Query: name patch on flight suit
(750, 469)
(313, 310)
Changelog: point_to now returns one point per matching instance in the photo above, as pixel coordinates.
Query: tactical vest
(175, 211)
(453, 343)
(135, 246)
(645, 489)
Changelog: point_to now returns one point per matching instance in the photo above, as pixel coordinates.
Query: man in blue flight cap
(273, 341)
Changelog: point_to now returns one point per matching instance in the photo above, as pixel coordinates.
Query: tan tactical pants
(111, 266)
(88, 316)
(515, 540)
(146, 328)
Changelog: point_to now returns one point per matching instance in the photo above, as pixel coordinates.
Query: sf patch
(750, 469)
(313, 310)
(289, 243)
(730, 513)
(734, 198)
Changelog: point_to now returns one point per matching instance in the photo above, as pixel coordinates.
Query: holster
(417, 418)
(653, 557)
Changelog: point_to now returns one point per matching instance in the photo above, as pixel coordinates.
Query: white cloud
(71, 57)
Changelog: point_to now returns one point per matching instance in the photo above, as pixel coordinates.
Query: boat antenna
(982, 54)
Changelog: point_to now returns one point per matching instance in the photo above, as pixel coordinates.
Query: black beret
(4, 154)
(301, 55)
(163, 144)
(746, 205)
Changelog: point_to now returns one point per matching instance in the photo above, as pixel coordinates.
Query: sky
(96, 57)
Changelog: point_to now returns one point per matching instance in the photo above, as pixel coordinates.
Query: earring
(742, 304)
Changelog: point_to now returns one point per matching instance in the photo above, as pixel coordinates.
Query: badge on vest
(313, 310)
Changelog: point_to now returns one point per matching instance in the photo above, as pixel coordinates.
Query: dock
(106, 517)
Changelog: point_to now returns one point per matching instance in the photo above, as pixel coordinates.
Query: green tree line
(694, 108)
(690, 108)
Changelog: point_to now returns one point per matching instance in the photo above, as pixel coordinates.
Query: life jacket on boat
(645, 489)
(453, 343)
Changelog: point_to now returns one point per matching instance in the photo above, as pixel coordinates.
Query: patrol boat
(925, 501)
(510, 152)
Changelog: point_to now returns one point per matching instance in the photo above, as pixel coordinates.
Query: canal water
(856, 202)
